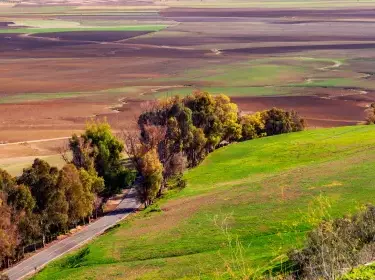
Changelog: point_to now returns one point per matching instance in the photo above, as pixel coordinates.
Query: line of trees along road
(174, 134)
(45, 202)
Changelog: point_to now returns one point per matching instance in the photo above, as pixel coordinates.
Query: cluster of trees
(176, 133)
(45, 201)
(100, 152)
(42, 202)
(336, 246)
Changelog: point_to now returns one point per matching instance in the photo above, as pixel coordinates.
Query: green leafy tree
(41, 178)
(107, 147)
(6, 181)
(29, 228)
(21, 199)
(50, 201)
(278, 121)
(98, 147)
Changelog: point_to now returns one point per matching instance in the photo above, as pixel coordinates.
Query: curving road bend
(31, 265)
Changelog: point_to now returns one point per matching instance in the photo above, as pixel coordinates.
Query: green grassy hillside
(244, 207)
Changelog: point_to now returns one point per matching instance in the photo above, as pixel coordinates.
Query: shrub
(336, 246)
(176, 182)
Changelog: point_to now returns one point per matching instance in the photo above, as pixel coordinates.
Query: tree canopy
(185, 130)
(99, 152)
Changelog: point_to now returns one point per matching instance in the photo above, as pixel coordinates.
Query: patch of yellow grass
(333, 184)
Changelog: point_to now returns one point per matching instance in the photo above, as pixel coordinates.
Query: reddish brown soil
(97, 36)
(5, 24)
(290, 49)
(38, 120)
(19, 46)
(198, 40)
(268, 13)
(92, 61)
(19, 43)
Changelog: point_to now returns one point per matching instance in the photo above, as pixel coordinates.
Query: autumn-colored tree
(252, 126)
(185, 130)
(152, 177)
(92, 186)
(6, 181)
(9, 238)
(4, 277)
(22, 204)
(83, 154)
(227, 113)
(370, 118)
(77, 192)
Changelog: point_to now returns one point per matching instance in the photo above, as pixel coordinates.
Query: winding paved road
(39, 260)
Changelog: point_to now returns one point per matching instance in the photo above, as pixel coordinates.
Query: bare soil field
(52, 83)
(93, 36)
(18, 43)
(311, 47)
(269, 13)
(318, 112)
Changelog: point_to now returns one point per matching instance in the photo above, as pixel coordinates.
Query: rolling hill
(243, 209)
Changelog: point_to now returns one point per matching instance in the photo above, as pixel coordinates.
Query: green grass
(99, 94)
(259, 75)
(230, 91)
(361, 273)
(331, 83)
(269, 76)
(248, 74)
(260, 191)
(35, 97)
(82, 28)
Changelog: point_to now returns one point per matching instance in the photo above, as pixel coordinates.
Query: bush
(336, 246)
(176, 182)
(4, 277)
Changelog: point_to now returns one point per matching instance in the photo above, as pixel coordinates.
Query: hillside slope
(244, 207)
